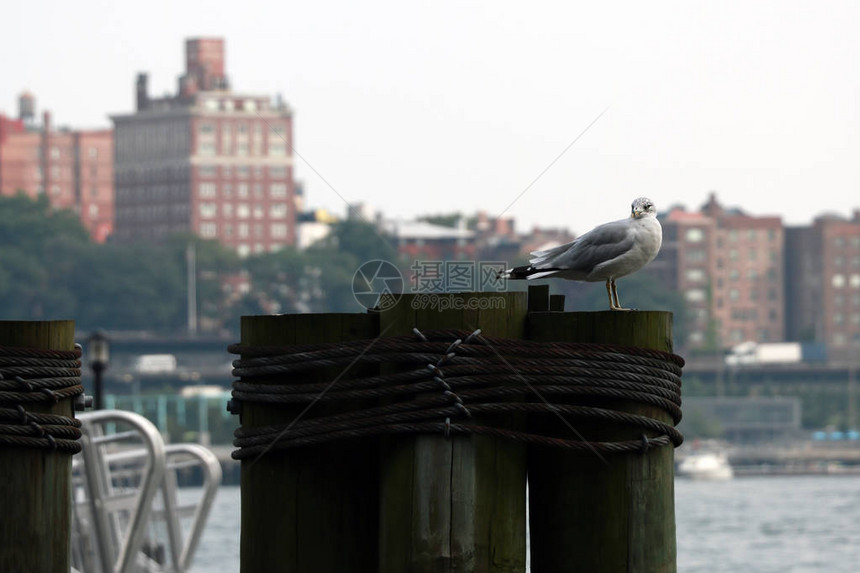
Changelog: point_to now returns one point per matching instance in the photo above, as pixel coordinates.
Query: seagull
(605, 253)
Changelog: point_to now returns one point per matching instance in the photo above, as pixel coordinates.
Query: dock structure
(402, 440)
(36, 444)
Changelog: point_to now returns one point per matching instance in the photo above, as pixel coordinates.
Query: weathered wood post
(456, 503)
(35, 484)
(311, 509)
(609, 513)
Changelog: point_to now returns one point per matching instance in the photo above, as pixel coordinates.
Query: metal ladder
(119, 523)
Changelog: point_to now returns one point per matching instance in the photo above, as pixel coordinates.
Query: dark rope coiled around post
(444, 375)
(29, 376)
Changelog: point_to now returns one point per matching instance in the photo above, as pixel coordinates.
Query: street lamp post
(98, 350)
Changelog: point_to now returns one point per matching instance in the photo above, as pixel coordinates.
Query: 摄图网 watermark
(379, 285)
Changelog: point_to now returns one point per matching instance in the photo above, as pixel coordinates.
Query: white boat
(706, 466)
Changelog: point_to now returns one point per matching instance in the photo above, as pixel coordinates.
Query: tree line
(50, 269)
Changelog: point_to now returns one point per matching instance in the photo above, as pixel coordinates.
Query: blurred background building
(72, 167)
(208, 160)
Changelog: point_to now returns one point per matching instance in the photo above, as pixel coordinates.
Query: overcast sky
(453, 106)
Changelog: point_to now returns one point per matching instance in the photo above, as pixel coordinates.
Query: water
(753, 525)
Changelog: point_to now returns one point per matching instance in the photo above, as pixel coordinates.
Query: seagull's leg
(614, 293)
(609, 293)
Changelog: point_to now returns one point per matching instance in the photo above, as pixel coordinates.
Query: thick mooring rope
(434, 381)
(28, 376)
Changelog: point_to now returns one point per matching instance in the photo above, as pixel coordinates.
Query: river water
(748, 525)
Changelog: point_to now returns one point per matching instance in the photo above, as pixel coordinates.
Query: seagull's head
(643, 207)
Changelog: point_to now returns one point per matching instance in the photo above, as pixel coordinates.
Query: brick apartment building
(208, 160)
(729, 268)
(74, 168)
(823, 283)
(685, 264)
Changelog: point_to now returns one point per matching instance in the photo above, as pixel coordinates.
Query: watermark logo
(377, 285)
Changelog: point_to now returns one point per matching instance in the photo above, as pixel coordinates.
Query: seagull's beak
(635, 213)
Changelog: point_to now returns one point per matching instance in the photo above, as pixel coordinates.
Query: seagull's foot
(621, 308)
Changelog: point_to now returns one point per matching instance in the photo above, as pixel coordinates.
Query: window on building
(753, 255)
(208, 210)
(278, 211)
(258, 190)
(242, 190)
(93, 152)
(243, 230)
(279, 230)
(695, 295)
(227, 210)
(242, 171)
(242, 149)
(207, 171)
(838, 280)
(694, 235)
(227, 171)
(838, 261)
(838, 318)
(733, 235)
(752, 274)
(243, 211)
(258, 172)
(206, 148)
(227, 104)
(242, 128)
(751, 234)
(277, 172)
(259, 212)
(228, 230)
(278, 190)
(259, 231)
(250, 105)
(55, 152)
(734, 274)
(277, 148)
(208, 230)
(208, 189)
(854, 281)
(734, 294)
(838, 242)
(93, 210)
(211, 104)
(243, 250)
(695, 275)
(733, 254)
(227, 191)
(206, 128)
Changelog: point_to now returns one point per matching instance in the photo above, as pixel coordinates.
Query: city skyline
(462, 109)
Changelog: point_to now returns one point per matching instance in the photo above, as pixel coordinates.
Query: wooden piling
(308, 509)
(613, 513)
(35, 484)
(458, 503)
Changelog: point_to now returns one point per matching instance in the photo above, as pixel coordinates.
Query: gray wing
(597, 246)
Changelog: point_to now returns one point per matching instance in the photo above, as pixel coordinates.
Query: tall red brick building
(729, 267)
(823, 283)
(208, 160)
(74, 168)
